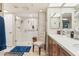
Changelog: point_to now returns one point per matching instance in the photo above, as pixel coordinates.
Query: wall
(41, 26)
(0, 7)
(49, 12)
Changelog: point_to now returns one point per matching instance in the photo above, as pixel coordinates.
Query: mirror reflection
(67, 20)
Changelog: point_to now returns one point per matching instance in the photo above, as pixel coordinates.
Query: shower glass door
(26, 28)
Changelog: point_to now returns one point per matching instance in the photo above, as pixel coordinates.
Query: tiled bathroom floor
(35, 53)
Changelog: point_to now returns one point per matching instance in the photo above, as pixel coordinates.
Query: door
(9, 23)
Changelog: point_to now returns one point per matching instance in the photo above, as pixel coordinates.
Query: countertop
(68, 44)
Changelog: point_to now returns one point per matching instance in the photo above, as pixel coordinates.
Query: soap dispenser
(72, 34)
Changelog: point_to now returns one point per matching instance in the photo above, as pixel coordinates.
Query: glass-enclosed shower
(22, 27)
(26, 27)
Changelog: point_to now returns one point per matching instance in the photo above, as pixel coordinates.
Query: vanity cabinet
(54, 49)
(50, 43)
(63, 52)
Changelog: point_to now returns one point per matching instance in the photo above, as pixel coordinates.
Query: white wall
(9, 19)
(0, 6)
(49, 12)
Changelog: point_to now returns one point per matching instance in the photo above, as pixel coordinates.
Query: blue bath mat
(21, 49)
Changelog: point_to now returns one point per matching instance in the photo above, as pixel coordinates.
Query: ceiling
(22, 8)
(63, 5)
(33, 7)
(25, 7)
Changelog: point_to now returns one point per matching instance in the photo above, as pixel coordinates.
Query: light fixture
(17, 17)
(52, 14)
(65, 19)
(57, 15)
(55, 4)
(5, 10)
(41, 10)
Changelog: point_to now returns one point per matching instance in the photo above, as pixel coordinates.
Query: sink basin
(76, 46)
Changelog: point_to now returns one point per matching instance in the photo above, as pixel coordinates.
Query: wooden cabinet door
(56, 49)
(53, 49)
(50, 46)
(63, 52)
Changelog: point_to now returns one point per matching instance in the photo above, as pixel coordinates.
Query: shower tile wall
(41, 27)
(25, 32)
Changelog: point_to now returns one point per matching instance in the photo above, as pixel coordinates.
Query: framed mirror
(55, 21)
(67, 20)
